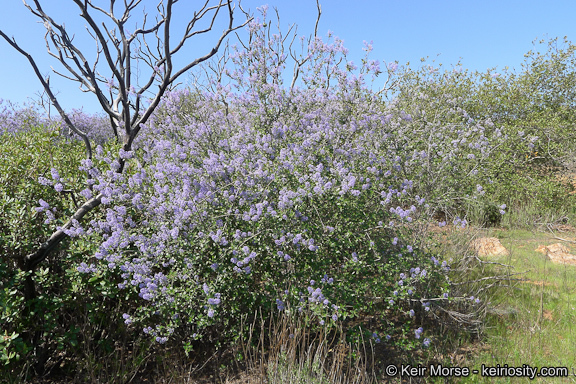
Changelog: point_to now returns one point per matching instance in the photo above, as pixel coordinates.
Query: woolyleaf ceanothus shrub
(303, 198)
(268, 213)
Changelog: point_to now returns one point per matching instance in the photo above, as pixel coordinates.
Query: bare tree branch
(299, 63)
(33, 259)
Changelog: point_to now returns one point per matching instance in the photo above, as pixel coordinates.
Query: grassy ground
(533, 321)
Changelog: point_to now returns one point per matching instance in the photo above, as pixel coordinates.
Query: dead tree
(118, 52)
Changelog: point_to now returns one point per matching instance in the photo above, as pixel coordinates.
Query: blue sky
(483, 34)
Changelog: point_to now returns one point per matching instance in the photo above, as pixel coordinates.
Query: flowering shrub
(97, 127)
(297, 215)
(18, 119)
(255, 195)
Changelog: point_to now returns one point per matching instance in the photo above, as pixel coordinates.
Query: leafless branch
(298, 63)
(505, 277)
(32, 260)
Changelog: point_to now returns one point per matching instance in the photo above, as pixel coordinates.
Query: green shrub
(33, 330)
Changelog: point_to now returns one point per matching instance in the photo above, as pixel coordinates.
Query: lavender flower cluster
(15, 119)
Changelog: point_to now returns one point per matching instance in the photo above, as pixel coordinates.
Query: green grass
(533, 320)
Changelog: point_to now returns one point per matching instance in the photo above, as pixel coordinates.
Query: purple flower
(354, 256)
(214, 301)
(85, 268)
(44, 181)
(279, 305)
(86, 193)
(55, 175)
(44, 204)
(418, 332)
(127, 318)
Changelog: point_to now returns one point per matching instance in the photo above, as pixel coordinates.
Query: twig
(505, 277)
(566, 240)
(492, 262)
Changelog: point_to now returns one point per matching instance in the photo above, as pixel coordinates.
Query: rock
(488, 246)
(557, 253)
